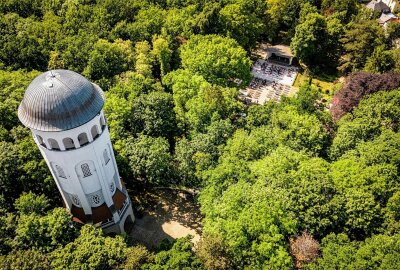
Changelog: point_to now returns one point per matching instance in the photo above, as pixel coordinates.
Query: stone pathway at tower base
(169, 214)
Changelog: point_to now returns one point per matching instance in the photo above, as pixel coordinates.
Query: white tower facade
(64, 112)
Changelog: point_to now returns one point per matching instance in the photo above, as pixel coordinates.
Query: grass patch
(327, 84)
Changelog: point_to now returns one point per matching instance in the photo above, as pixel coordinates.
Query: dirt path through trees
(168, 214)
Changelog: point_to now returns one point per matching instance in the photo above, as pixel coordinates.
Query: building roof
(385, 17)
(281, 50)
(59, 100)
(378, 5)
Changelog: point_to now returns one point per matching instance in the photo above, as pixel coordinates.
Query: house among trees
(392, 4)
(277, 53)
(378, 6)
(387, 18)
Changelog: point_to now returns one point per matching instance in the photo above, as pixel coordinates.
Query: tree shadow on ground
(167, 213)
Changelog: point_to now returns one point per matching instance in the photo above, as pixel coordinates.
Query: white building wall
(392, 4)
(97, 156)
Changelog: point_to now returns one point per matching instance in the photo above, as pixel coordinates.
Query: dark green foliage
(30, 259)
(359, 42)
(7, 232)
(240, 21)
(265, 174)
(20, 48)
(149, 159)
(153, 114)
(201, 152)
(8, 159)
(45, 233)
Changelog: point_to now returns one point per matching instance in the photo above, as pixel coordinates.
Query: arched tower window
(53, 144)
(60, 172)
(75, 200)
(68, 143)
(94, 132)
(102, 122)
(86, 170)
(40, 140)
(106, 156)
(83, 139)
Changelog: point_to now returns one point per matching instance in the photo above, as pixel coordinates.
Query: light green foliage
(392, 213)
(216, 58)
(241, 22)
(249, 146)
(299, 131)
(149, 159)
(162, 54)
(367, 121)
(197, 103)
(363, 214)
(180, 21)
(212, 103)
(184, 86)
(179, 256)
(12, 85)
(265, 173)
(109, 59)
(144, 59)
(45, 233)
(91, 250)
(117, 110)
(377, 252)
(254, 221)
(338, 252)
(29, 203)
(310, 189)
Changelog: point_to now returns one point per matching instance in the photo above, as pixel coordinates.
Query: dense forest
(280, 186)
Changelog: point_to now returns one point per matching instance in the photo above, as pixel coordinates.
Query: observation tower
(64, 112)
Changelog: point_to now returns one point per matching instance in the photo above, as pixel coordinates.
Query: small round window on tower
(96, 199)
(112, 188)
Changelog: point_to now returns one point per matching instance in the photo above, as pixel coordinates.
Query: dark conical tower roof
(59, 100)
